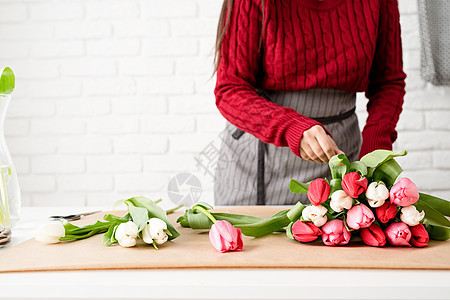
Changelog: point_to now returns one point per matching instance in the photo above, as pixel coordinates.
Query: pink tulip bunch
(369, 209)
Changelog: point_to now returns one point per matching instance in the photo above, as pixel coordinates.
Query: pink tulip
(386, 212)
(398, 234)
(353, 184)
(305, 231)
(225, 237)
(373, 236)
(420, 237)
(360, 216)
(404, 192)
(334, 233)
(318, 191)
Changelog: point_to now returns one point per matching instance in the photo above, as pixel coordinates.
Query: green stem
(206, 213)
(172, 210)
(157, 201)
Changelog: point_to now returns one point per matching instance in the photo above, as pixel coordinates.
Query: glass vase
(9, 184)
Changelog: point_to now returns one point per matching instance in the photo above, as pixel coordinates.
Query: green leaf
(295, 212)
(440, 233)
(298, 187)
(236, 219)
(109, 217)
(198, 220)
(441, 205)
(432, 216)
(387, 172)
(271, 224)
(183, 220)
(360, 167)
(139, 215)
(335, 185)
(204, 205)
(7, 81)
(339, 166)
(289, 231)
(378, 157)
(154, 211)
(108, 237)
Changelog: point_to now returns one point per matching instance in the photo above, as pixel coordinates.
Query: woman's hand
(316, 145)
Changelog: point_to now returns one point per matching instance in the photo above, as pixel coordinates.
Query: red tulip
(386, 212)
(318, 191)
(373, 236)
(404, 192)
(420, 236)
(225, 237)
(305, 231)
(360, 216)
(353, 184)
(398, 234)
(334, 233)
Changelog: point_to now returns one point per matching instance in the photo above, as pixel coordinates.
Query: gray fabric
(235, 177)
(434, 23)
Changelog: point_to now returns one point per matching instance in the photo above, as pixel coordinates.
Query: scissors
(71, 217)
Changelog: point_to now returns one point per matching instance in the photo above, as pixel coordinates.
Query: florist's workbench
(270, 267)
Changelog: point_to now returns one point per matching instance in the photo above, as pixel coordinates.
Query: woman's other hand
(316, 145)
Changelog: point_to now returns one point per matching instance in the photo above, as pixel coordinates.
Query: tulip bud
(340, 200)
(373, 236)
(334, 233)
(411, 216)
(225, 237)
(376, 194)
(398, 234)
(126, 234)
(360, 216)
(420, 236)
(315, 214)
(404, 192)
(353, 184)
(386, 212)
(50, 233)
(154, 231)
(305, 231)
(318, 191)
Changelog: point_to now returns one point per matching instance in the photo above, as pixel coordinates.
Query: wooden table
(263, 283)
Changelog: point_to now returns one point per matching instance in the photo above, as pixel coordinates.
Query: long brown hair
(225, 16)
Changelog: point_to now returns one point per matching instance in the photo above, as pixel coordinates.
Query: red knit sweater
(352, 45)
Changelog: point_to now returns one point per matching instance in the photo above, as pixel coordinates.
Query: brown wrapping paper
(193, 250)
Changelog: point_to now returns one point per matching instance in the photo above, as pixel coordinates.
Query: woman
(287, 76)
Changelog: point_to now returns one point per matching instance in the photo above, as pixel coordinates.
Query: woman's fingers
(307, 153)
(328, 146)
(316, 145)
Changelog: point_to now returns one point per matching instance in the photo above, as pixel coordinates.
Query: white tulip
(340, 200)
(411, 216)
(315, 214)
(50, 233)
(154, 231)
(376, 194)
(126, 234)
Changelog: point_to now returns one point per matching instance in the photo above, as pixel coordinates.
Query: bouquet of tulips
(364, 198)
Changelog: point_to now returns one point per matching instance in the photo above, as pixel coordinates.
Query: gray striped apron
(236, 180)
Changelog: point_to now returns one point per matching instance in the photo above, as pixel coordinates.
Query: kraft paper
(193, 250)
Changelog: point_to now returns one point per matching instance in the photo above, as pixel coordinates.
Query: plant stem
(206, 213)
(172, 210)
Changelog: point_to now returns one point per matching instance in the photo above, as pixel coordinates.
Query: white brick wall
(113, 98)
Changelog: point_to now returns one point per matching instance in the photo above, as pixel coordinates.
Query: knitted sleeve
(236, 97)
(386, 83)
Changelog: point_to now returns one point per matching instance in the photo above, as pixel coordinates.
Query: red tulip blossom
(353, 184)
